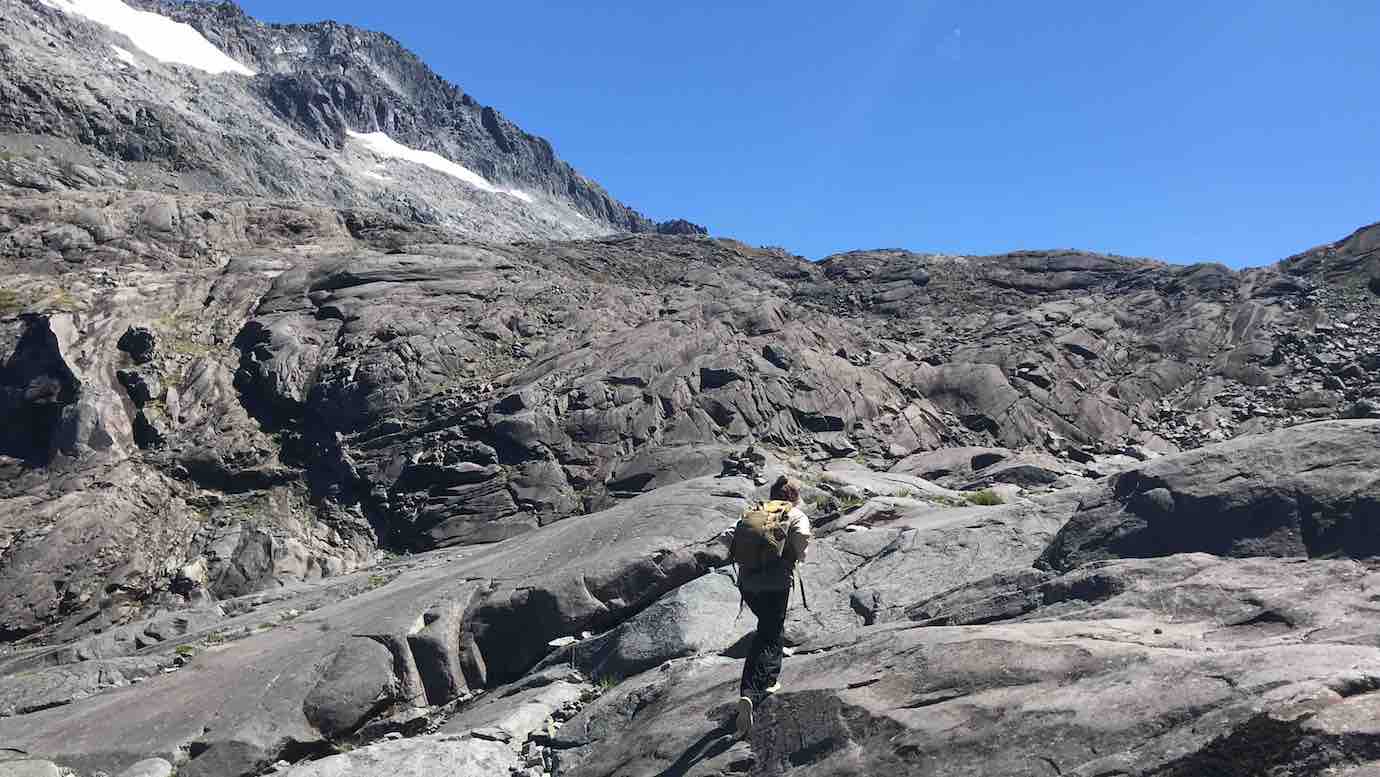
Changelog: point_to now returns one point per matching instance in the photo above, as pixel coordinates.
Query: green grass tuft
(849, 503)
(985, 498)
(12, 302)
(63, 300)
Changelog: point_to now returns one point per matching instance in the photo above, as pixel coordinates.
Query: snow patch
(158, 36)
(124, 56)
(386, 147)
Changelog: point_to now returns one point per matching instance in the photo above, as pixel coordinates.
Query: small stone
(493, 734)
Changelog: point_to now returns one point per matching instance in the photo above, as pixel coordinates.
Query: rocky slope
(940, 638)
(251, 393)
(305, 470)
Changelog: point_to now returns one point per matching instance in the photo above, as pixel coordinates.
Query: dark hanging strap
(738, 582)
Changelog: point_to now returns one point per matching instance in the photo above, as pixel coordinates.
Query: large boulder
(1307, 491)
(700, 617)
(898, 551)
(950, 465)
(1025, 469)
(149, 767)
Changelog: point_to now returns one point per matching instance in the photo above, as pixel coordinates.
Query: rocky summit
(347, 430)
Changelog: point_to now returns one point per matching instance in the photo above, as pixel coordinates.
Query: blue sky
(1238, 131)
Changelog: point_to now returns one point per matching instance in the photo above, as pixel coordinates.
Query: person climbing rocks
(768, 543)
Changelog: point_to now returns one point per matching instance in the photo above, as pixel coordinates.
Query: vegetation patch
(986, 498)
(12, 302)
(64, 301)
(848, 502)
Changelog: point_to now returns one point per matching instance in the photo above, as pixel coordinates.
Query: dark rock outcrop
(37, 387)
(1309, 491)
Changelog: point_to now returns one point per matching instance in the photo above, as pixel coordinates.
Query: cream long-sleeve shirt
(800, 534)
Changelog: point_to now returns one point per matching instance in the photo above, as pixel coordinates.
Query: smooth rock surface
(428, 756)
(1183, 651)
(149, 767)
(29, 767)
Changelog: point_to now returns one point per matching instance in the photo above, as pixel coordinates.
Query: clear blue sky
(1235, 130)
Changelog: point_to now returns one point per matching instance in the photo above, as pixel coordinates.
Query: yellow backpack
(759, 539)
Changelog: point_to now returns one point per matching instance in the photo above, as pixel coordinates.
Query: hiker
(769, 541)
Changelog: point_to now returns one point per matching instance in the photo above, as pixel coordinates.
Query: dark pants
(763, 665)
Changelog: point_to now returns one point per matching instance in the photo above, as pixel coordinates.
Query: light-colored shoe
(773, 688)
(744, 716)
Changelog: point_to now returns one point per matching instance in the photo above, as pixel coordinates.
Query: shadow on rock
(713, 744)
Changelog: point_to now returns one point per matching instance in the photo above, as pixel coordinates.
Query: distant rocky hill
(345, 426)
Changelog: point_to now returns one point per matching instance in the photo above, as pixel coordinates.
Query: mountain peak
(325, 112)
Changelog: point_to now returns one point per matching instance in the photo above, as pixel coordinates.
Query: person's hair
(785, 490)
